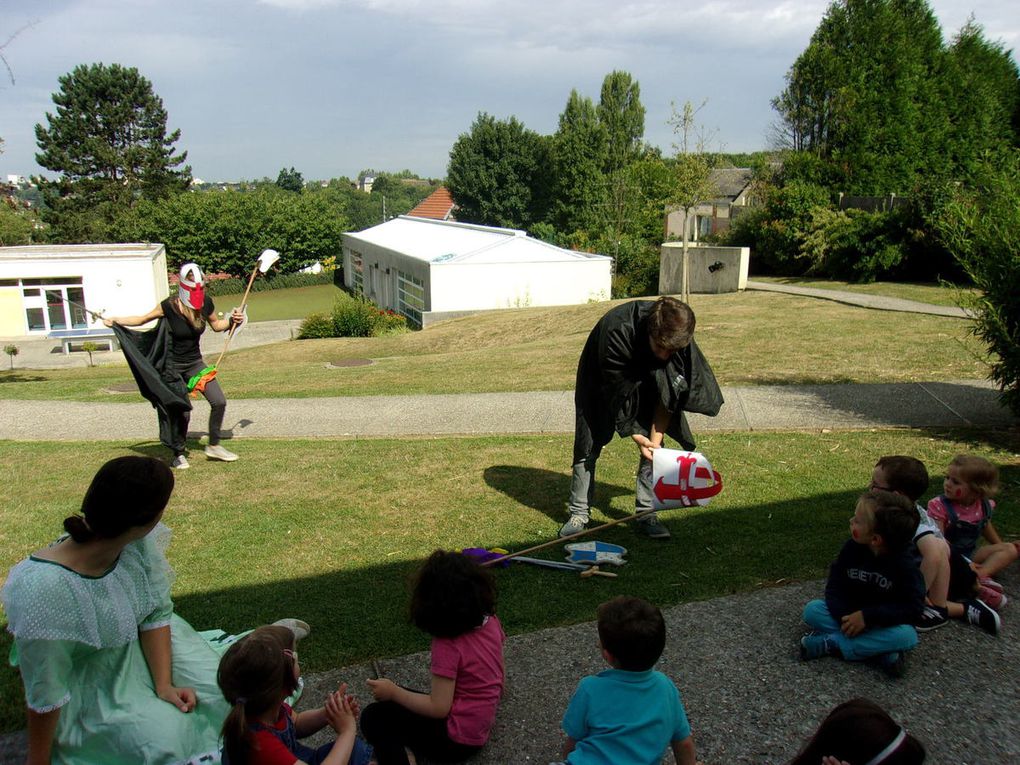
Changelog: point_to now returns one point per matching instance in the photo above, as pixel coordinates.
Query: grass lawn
(935, 294)
(751, 338)
(330, 530)
(293, 303)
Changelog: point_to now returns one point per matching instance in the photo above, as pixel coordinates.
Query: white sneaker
(217, 452)
(298, 627)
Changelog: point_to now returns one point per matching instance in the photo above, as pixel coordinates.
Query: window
(410, 296)
(357, 274)
(48, 303)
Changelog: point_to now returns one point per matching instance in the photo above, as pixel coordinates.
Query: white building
(38, 282)
(430, 270)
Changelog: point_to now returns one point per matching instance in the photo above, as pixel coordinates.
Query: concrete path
(969, 403)
(877, 302)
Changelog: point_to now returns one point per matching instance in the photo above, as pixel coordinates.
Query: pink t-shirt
(474, 661)
(971, 513)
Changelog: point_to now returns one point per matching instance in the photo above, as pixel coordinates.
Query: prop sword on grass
(197, 383)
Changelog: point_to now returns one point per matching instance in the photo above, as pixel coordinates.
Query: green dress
(76, 645)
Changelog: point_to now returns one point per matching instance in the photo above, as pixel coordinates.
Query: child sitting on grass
(908, 476)
(964, 514)
(256, 675)
(454, 600)
(875, 593)
(629, 713)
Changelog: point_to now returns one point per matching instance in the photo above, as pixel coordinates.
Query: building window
(357, 274)
(49, 303)
(410, 296)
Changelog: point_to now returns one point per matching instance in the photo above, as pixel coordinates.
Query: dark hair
(633, 631)
(907, 475)
(856, 731)
(127, 492)
(894, 517)
(671, 324)
(978, 473)
(451, 595)
(254, 674)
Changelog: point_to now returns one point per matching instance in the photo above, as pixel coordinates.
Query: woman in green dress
(111, 675)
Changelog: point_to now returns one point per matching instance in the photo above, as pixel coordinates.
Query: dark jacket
(888, 588)
(620, 381)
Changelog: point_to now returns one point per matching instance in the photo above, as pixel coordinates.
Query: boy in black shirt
(875, 592)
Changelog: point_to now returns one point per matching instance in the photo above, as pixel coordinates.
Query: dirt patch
(341, 363)
(122, 387)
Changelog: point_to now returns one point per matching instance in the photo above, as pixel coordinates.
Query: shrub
(354, 318)
(982, 229)
(316, 326)
(854, 245)
(390, 323)
(271, 281)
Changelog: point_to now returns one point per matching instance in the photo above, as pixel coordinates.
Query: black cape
(149, 356)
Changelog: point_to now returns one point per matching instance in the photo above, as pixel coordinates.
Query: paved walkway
(877, 302)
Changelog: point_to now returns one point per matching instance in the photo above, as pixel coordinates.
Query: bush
(982, 229)
(854, 245)
(316, 326)
(390, 323)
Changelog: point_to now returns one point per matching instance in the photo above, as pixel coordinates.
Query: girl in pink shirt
(454, 600)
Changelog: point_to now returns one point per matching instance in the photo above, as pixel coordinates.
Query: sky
(333, 87)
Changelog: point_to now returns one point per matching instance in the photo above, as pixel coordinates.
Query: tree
(982, 228)
(109, 142)
(623, 118)
(865, 96)
(692, 170)
(290, 180)
(579, 157)
(498, 173)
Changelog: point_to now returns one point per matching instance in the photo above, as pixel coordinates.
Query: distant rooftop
(438, 206)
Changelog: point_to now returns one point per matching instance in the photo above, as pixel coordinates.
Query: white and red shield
(683, 479)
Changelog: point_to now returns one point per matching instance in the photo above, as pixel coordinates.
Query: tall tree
(109, 142)
(623, 118)
(579, 158)
(290, 180)
(865, 95)
(498, 173)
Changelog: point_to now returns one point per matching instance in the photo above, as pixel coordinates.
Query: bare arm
(222, 325)
(42, 727)
(135, 321)
(683, 751)
(435, 704)
(991, 534)
(156, 648)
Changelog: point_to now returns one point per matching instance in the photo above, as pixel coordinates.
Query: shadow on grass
(8, 376)
(547, 490)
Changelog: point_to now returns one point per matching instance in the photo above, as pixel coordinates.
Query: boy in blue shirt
(630, 713)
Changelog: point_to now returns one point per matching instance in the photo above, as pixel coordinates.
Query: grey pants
(217, 403)
(582, 486)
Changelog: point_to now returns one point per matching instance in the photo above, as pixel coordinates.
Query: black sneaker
(894, 663)
(932, 618)
(982, 615)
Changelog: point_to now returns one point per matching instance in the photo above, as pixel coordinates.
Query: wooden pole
(233, 327)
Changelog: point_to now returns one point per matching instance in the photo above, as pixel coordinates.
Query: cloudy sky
(332, 87)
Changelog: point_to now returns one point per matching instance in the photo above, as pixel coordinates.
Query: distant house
(438, 206)
(733, 195)
(430, 270)
(40, 285)
(365, 183)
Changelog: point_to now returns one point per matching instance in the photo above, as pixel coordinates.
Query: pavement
(749, 698)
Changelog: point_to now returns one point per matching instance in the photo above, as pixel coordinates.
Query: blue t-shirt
(624, 717)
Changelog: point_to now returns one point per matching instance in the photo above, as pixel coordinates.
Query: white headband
(893, 746)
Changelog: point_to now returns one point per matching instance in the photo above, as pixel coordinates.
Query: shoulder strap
(953, 517)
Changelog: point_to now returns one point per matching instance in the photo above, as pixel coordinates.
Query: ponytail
(79, 529)
(236, 740)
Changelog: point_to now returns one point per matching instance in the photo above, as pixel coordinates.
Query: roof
(438, 205)
(730, 181)
(79, 251)
(436, 241)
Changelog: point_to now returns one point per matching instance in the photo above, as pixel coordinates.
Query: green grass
(330, 530)
(934, 294)
(752, 338)
(294, 303)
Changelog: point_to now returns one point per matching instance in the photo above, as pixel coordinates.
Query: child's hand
(338, 710)
(853, 624)
(355, 706)
(382, 689)
(833, 761)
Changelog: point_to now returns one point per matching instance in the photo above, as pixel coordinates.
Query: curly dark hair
(452, 595)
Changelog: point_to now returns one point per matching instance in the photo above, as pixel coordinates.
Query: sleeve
(271, 751)
(208, 307)
(445, 658)
(159, 576)
(575, 719)
(937, 512)
(616, 361)
(837, 595)
(682, 729)
(46, 667)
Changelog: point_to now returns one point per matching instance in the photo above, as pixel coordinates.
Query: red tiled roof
(438, 205)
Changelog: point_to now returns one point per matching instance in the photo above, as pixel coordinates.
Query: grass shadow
(8, 376)
(547, 490)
